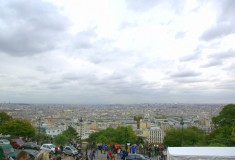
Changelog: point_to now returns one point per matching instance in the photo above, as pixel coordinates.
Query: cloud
(212, 63)
(125, 25)
(194, 56)
(189, 80)
(143, 5)
(30, 27)
(225, 24)
(140, 5)
(180, 35)
(83, 40)
(219, 31)
(223, 55)
(186, 73)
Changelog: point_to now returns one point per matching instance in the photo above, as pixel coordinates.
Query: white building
(156, 135)
(54, 131)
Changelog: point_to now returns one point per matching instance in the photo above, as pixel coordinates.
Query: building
(156, 135)
(54, 131)
(144, 124)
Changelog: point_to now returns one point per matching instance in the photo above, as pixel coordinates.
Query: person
(61, 148)
(149, 151)
(92, 155)
(42, 155)
(86, 156)
(121, 154)
(104, 147)
(22, 155)
(164, 154)
(125, 154)
(56, 150)
(9, 157)
(133, 149)
(107, 156)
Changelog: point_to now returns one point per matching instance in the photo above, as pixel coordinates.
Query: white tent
(201, 153)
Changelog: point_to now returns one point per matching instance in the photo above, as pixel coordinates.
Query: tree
(139, 140)
(226, 116)
(18, 127)
(71, 134)
(224, 125)
(61, 139)
(119, 135)
(173, 138)
(4, 117)
(190, 136)
(233, 133)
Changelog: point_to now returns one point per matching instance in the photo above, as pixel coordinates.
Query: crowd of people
(111, 152)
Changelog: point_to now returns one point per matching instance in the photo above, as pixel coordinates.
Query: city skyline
(117, 52)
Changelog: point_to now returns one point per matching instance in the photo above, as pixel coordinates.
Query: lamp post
(182, 124)
(81, 120)
(126, 138)
(39, 128)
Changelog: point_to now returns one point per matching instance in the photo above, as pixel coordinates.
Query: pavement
(98, 156)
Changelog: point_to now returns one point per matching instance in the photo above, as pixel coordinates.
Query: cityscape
(53, 119)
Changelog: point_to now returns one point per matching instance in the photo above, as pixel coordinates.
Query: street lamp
(182, 124)
(81, 130)
(39, 128)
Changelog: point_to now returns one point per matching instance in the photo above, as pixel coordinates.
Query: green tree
(139, 140)
(4, 117)
(173, 138)
(61, 139)
(119, 135)
(226, 117)
(233, 133)
(18, 127)
(190, 136)
(71, 134)
(223, 127)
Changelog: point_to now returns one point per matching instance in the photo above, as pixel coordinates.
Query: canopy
(201, 153)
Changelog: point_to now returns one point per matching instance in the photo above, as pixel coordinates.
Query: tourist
(42, 155)
(23, 155)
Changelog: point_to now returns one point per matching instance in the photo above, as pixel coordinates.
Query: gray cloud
(225, 21)
(30, 27)
(223, 55)
(83, 40)
(180, 35)
(228, 85)
(190, 80)
(190, 57)
(218, 31)
(143, 5)
(140, 5)
(212, 63)
(194, 56)
(186, 73)
(125, 25)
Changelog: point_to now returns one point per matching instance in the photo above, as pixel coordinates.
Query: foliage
(233, 133)
(190, 136)
(139, 140)
(18, 127)
(226, 117)
(119, 135)
(43, 138)
(60, 139)
(4, 117)
(224, 125)
(71, 134)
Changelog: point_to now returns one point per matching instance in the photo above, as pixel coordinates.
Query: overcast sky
(117, 51)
